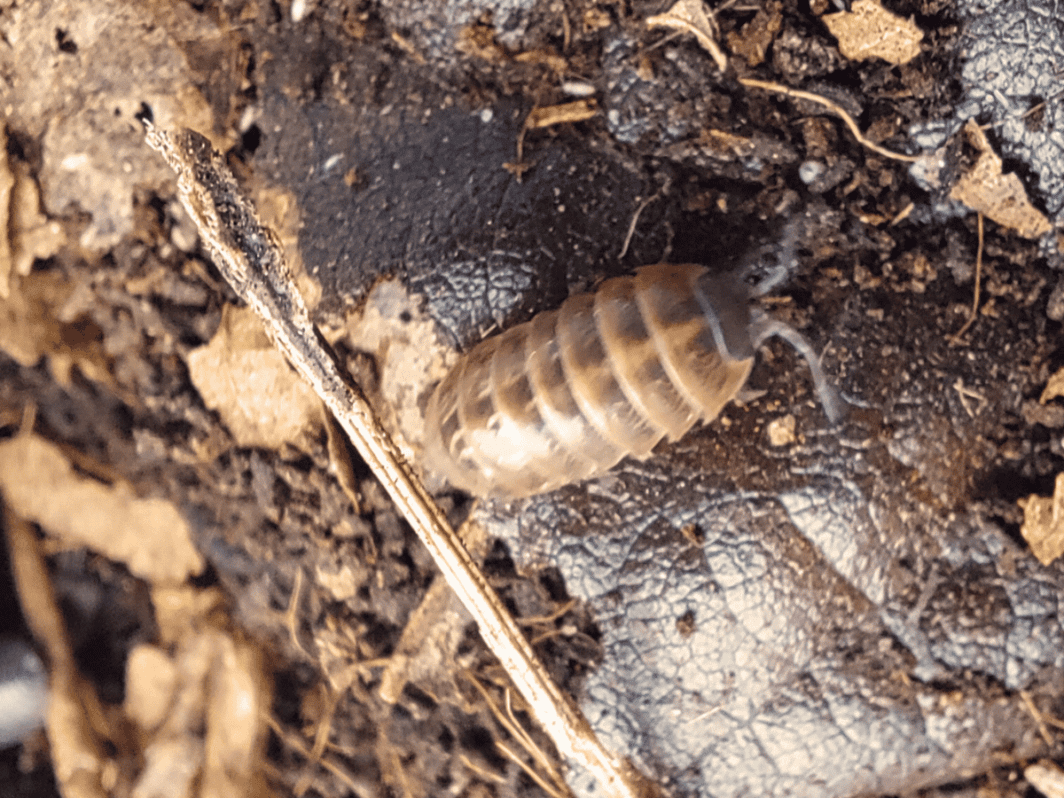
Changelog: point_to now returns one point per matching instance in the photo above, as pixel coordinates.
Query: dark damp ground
(812, 609)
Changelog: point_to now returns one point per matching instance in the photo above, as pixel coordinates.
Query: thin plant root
(974, 314)
(835, 108)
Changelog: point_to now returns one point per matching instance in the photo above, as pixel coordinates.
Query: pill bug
(567, 395)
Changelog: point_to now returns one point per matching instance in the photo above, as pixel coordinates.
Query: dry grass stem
(291, 615)
(513, 727)
(294, 743)
(632, 224)
(1039, 718)
(834, 107)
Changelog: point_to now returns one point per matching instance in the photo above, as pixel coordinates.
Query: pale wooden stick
(250, 258)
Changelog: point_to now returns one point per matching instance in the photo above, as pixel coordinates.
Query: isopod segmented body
(566, 396)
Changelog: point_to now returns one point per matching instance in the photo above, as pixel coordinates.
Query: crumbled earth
(829, 612)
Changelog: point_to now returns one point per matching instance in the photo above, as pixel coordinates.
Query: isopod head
(566, 396)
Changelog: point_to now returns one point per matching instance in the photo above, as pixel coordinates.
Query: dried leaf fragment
(25, 232)
(1001, 197)
(75, 719)
(148, 535)
(1046, 777)
(753, 41)
(870, 31)
(34, 323)
(7, 184)
(1054, 387)
(393, 327)
(1043, 523)
(258, 395)
(429, 644)
(199, 704)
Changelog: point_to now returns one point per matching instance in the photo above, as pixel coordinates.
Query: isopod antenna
(764, 326)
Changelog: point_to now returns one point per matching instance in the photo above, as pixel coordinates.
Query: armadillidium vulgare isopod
(567, 395)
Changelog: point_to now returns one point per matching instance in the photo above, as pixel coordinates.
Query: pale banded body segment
(524, 447)
(636, 360)
(446, 441)
(707, 377)
(589, 372)
(566, 396)
(507, 448)
(554, 398)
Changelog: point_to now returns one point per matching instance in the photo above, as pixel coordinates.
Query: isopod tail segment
(566, 396)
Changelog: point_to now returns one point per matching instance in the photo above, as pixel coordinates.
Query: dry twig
(251, 259)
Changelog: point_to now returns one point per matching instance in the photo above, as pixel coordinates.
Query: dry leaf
(25, 232)
(1054, 387)
(31, 326)
(7, 184)
(148, 535)
(151, 679)
(32, 235)
(726, 145)
(870, 31)
(212, 697)
(75, 722)
(1043, 523)
(241, 374)
(1000, 197)
(28, 328)
(1046, 777)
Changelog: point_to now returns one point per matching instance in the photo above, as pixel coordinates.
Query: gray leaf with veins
(783, 655)
(1013, 55)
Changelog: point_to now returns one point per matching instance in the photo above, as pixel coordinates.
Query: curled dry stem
(689, 16)
(832, 106)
